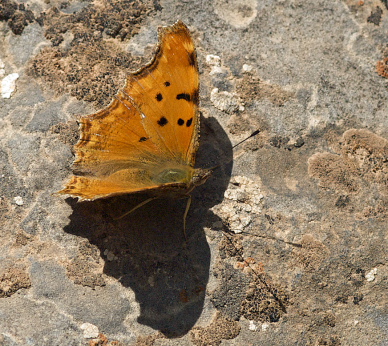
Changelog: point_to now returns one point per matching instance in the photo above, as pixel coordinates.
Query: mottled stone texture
(309, 194)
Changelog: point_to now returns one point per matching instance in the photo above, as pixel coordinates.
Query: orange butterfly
(147, 138)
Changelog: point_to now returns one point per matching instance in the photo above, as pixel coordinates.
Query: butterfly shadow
(147, 250)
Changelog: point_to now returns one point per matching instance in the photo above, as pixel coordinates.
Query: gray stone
(300, 270)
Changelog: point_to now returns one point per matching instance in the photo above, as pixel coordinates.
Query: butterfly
(147, 138)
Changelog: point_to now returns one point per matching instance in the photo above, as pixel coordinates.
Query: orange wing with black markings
(147, 137)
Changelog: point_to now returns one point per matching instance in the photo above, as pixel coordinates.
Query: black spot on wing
(180, 122)
(195, 96)
(162, 121)
(167, 84)
(189, 122)
(192, 59)
(183, 96)
(159, 97)
(143, 139)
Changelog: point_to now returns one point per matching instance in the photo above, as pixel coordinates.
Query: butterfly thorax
(173, 175)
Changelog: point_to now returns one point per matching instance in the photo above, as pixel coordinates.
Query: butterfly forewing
(166, 93)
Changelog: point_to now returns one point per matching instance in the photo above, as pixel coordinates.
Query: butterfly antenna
(185, 215)
(253, 134)
(137, 207)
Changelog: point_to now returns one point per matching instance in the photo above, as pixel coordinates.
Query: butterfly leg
(137, 207)
(185, 215)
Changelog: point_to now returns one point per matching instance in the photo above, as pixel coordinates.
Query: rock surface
(296, 251)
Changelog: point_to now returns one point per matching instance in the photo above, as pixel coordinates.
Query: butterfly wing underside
(151, 125)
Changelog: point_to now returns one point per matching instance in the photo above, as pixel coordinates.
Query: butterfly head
(200, 176)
